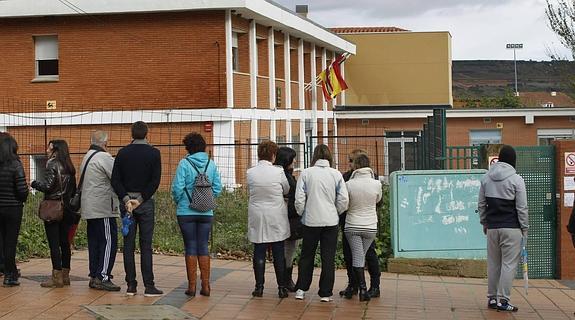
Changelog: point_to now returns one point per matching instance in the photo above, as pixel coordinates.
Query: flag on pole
(332, 82)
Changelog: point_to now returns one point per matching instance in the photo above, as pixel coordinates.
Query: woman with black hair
(13, 193)
(58, 183)
(286, 158)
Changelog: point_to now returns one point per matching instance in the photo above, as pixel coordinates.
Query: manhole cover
(139, 312)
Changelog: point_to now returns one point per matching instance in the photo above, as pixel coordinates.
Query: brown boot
(66, 276)
(192, 270)
(204, 262)
(55, 282)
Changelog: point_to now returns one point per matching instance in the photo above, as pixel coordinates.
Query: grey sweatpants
(503, 253)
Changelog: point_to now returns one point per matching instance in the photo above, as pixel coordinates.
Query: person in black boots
(268, 224)
(135, 178)
(371, 258)
(286, 159)
(13, 193)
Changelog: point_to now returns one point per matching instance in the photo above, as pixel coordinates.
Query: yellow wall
(399, 68)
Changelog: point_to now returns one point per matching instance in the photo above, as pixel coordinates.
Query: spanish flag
(332, 82)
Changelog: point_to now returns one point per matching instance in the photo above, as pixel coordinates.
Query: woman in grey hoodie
(504, 216)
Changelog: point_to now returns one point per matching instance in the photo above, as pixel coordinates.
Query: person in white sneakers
(320, 197)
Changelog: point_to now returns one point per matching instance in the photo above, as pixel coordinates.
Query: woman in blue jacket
(195, 225)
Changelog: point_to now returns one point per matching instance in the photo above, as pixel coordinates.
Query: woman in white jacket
(321, 195)
(268, 216)
(361, 221)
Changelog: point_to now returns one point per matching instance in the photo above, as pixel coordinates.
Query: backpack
(202, 197)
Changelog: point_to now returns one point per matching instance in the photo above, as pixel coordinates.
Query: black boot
(10, 280)
(360, 276)
(259, 270)
(279, 268)
(349, 291)
(290, 285)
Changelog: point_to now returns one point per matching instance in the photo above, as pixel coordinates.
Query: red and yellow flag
(332, 83)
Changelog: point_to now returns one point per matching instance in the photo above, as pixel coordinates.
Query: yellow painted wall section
(399, 68)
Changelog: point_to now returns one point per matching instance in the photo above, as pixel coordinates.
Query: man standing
(100, 209)
(371, 258)
(503, 213)
(135, 178)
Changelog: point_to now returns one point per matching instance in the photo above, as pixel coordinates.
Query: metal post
(515, 67)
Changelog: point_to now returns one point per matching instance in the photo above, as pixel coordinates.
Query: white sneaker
(326, 299)
(299, 294)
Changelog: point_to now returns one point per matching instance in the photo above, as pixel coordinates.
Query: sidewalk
(403, 296)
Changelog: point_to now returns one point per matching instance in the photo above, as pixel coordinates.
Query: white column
(323, 102)
(229, 66)
(287, 77)
(253, 47)
(313, 92)
(272, 81)
(254, 138)
(225, 156)
(301, 89)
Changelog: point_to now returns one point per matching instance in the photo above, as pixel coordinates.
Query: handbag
(52, 210)
(76, 201)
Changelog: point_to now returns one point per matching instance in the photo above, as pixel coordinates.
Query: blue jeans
(196, 234)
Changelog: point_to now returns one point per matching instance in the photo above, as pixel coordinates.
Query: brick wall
(565, 251)
(138, 61)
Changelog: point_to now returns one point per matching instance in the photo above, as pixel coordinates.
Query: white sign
(569, 162)
(568, 183)
(568, 200)
(493, 160)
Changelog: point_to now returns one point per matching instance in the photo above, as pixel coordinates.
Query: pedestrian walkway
(403, 296)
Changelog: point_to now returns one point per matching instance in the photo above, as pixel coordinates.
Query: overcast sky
(480, 28)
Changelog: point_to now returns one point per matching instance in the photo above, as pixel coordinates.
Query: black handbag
(76, 201)
(52, 210)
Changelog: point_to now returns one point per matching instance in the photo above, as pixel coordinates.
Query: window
(37, 167)
(235, 52)
(46, 56)
(478, 137)
(545, 136)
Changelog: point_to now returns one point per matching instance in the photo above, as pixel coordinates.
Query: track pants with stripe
(102, 246)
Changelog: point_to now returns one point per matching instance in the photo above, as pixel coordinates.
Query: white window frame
(46, 47)
(555, 134)
(402, 139)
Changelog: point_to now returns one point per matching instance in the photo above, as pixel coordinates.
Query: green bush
(229, 236)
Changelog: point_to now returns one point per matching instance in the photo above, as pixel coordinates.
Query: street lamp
(515, 46)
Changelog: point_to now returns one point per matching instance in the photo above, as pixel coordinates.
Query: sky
(480, 29)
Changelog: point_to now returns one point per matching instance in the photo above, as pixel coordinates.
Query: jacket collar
(321, 163)
(140, 141)
(97, 148)
(362, 172)
(264, 163)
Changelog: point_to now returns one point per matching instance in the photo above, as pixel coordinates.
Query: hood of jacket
(200, 159)
(500, 171)
(362, 173)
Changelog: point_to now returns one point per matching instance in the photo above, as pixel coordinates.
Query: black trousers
(371, 260)
(327, 238)
(57, 234)
(102, 246)
(10, 221)
(144, 221)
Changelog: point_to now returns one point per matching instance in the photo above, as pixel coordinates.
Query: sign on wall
(570, 162)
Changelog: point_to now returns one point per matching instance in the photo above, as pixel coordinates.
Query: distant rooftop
(344, 30)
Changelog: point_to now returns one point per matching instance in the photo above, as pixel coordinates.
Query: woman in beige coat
(268, 223)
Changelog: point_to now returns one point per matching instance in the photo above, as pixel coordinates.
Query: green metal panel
(537, 167)
(463, 157)
(434, 214)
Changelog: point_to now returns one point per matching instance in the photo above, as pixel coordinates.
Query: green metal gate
(537, 167)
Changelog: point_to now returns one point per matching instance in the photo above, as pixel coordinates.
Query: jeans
(57, 234)
(10, 221)
(102, 246)
(144, 219)
(259, 259)
(327, 237)
(196, 234)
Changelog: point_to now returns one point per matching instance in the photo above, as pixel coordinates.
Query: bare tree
(561, 18)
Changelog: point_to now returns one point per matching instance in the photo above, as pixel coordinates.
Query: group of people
(281, 211)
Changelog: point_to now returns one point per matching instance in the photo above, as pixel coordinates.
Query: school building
(234, 70)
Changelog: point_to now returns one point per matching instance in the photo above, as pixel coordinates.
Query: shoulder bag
(53, 210)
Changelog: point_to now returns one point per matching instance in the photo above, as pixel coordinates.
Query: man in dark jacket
(135, 179)
(505, 219)
(371, 258)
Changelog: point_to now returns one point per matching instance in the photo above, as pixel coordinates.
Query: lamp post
(515, 46)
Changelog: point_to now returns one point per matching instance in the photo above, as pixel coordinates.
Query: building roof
(541, 99)
(264, 12)
(347, 30)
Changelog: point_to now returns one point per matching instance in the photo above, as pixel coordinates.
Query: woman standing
(195, 225)
(286, 159)
(321, 195)
(268, 223)
(59, 183)
(13, 193)
(361, 220)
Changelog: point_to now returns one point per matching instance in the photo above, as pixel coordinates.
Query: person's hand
(129, 206)
(524, 233)
(484, 230)
(134, 204)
